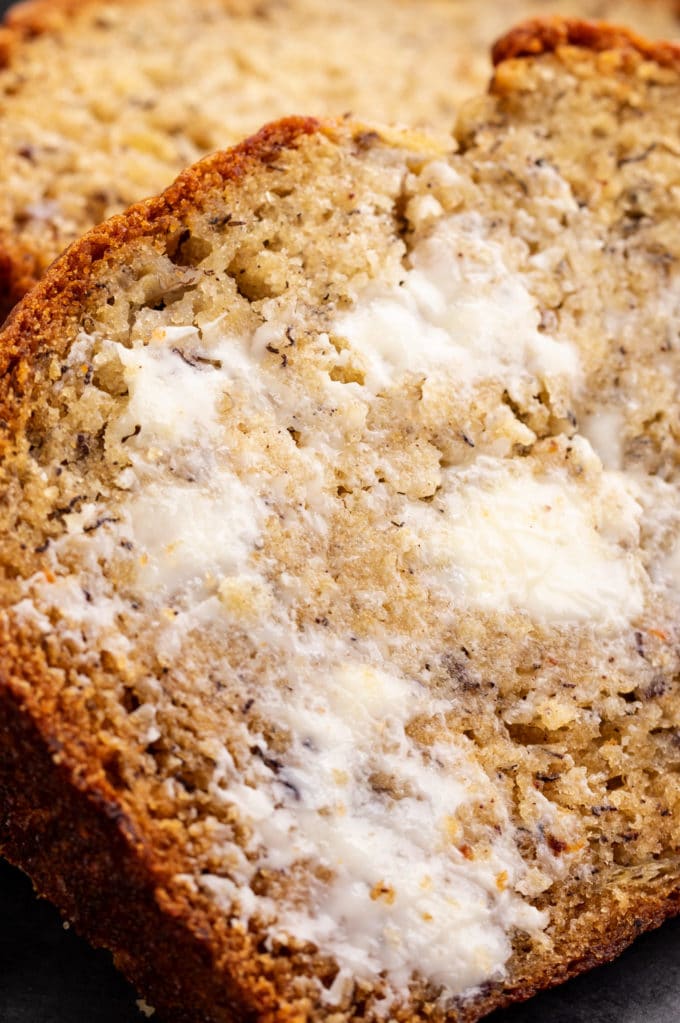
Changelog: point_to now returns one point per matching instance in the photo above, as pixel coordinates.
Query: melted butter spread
(499, 537)
(457, 310)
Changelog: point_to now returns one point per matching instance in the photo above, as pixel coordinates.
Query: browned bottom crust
(83, 855)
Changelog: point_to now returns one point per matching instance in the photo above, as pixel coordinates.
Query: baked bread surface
(104, 104)
(338, 674)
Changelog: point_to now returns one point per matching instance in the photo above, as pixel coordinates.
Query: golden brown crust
(68, 831)
(546, 35)
(20, 267)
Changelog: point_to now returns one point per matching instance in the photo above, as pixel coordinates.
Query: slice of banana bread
(339, 631)
(103, 104)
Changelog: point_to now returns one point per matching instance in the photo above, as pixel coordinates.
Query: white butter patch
(667, 568)
(458, 309)
(503, 539)
(604, 430)
(208, 524)
(401, 892)
(176, 380)
(186, 535)
(168, 398)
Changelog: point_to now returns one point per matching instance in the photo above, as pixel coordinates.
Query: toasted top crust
(144, 91)
(546, 35)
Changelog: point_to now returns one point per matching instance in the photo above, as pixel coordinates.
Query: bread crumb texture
(104, 103)
(340, 543)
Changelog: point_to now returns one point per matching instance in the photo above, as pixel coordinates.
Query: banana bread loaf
(339, 632)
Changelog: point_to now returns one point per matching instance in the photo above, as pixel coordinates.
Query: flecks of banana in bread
(109, 103)
(390, 634)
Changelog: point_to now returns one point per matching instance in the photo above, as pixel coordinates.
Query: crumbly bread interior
(106, 103)
(342, 516)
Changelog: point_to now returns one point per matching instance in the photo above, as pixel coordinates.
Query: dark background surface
(49, 975)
